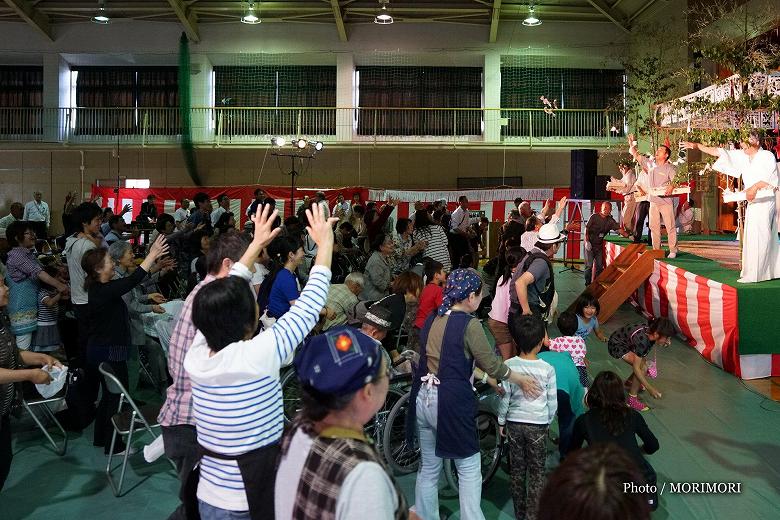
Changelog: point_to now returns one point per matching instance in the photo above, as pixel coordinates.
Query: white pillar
(345, 96)
(56, 95)
(202, 93)
(492, 97)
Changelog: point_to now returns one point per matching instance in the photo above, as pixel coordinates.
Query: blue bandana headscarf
(460, 283)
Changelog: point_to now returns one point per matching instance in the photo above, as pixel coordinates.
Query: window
(302, 92)
(21, 97)
(381, 89)
(585, 89)
(147, 99)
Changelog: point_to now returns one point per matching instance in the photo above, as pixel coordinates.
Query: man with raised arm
(659, 173)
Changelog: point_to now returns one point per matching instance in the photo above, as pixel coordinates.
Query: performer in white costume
(625, 187)
(758, 169)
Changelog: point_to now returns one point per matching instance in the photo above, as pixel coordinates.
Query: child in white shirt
(527, 420)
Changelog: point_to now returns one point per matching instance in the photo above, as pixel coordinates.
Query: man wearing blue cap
(328, 468)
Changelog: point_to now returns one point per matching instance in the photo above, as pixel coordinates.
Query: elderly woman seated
(378, 273)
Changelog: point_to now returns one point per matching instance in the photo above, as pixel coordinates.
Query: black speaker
(584, 165)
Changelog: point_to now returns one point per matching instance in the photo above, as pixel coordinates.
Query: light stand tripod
(573, 262)
(293, 174)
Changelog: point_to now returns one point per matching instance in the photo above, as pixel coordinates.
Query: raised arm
(709, 150)
(263, 220)
(291, 329)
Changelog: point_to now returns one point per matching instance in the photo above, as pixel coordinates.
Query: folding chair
(31, 400)
(126, 423)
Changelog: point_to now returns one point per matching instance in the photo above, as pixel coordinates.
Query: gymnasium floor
(711, 428)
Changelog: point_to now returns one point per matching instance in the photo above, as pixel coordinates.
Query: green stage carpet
(759, 324)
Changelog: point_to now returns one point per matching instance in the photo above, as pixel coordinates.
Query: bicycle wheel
(401, 457)
(490, 449)
(376, 428)
(291, 394)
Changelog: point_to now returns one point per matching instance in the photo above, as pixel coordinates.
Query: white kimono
(760, 249)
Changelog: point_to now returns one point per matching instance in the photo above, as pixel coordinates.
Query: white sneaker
(673, 254)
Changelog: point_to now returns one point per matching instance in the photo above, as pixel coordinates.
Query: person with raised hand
(109, 333)
(229, 254)
(236, 393)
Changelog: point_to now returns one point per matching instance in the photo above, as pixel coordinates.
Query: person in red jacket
(430, 299)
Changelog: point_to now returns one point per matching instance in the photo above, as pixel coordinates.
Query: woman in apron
(452, 342)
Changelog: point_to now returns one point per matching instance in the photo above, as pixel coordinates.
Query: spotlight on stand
(383, 16)
(318, 145)
(301, 143)
(531, 20)
(250, 17)
(101, 17)
(278, 141)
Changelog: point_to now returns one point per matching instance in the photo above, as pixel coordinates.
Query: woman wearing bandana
(452, 343)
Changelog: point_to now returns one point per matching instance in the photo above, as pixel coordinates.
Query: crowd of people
(336, 291)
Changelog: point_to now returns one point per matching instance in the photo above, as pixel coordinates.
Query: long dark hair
(513, 256)
(279, 250)
(607, 398)
(589, 485)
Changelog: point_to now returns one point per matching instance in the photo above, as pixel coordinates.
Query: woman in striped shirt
(435, 237)
(237, 397)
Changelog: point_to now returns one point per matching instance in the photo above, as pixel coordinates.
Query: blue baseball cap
(339, 362)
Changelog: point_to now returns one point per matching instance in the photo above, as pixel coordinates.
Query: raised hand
(166, 264)
(688, 145)
(320, 229)
(159, 248)
(264, 220)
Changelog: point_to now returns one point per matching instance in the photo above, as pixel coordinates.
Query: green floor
(710, 427)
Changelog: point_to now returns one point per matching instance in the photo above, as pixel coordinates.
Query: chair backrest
(115, 386)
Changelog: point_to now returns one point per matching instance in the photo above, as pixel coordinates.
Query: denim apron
(456, 432)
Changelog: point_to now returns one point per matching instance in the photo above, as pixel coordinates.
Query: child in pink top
(499, 308)
(573, 344)
(430, 298)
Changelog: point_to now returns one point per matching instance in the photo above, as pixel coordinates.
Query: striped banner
(704, 311)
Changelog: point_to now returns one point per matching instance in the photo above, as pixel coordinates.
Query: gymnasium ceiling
(43, 15)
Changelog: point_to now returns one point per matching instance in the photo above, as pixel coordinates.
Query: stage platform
(734, 326)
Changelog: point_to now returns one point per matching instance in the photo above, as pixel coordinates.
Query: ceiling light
(278, 141)
(250, 17)
(383, 16)
(101, 16)
(301, 143)
(531, 20)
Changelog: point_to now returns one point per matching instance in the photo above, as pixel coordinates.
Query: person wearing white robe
(758, 169)
(628, 178)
